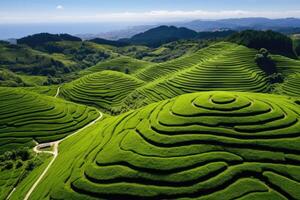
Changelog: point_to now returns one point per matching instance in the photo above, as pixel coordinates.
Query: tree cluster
(276, 43)
(264, 60)
(43, 38)
(18, 156)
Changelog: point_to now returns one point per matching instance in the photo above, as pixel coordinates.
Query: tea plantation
(105, 90)
(209, 145)
(212, 124)
(27, 117)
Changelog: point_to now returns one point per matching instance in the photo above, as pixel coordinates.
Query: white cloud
(59, 7)
(149, 16)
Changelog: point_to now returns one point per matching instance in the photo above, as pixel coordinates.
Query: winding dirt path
(55, 152)
(57, 92)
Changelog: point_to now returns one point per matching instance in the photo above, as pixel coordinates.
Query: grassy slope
(34, 80)
(23, 187)
(18, 58)
(74, 150)
(25, 116)
(45, 90)
(209, 145)
(11, 79)
(16, 176)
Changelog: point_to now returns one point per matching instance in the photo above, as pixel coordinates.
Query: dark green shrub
(275, 42)
(8, 165)
(265, 62)
(9, 155)
(19, 164)
(30, 165)
(23, 154)
(276, 78)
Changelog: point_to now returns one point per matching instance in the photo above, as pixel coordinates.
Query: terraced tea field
(291, 86)
(105, 90)
(157, 71)
(45, 90)
(233, 70)
(209, 145)
(286, 65)
(26, 117)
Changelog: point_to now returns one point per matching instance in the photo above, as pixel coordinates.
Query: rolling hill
(27, 117)
(209, 145)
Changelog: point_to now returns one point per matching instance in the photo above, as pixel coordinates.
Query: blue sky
(28, 11)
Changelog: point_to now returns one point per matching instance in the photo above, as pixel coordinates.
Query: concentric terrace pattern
(209, 145)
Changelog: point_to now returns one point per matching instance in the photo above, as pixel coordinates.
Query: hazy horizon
(20, 18)
(8, 31)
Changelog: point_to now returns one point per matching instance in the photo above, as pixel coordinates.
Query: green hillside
(26, 117)
(32, 62)
(14, 170)
(296, 43)
(105, 90)
(45, 90)
(291, 86)
(209, 145)
(232, 69)
(163, 69)
(10, 79)
(286, 65)
(123, 64)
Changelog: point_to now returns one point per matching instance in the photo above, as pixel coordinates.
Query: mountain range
(284, 25)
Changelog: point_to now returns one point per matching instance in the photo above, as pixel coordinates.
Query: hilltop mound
(122, 64)
(27, 116)
(209, 145)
